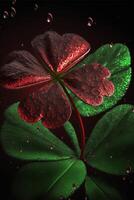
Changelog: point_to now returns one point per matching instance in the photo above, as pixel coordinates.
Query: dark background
(113, 22)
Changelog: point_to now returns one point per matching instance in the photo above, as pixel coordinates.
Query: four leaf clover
(54, 68)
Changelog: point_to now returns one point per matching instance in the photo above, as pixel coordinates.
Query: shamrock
(53, 67)
(55, 170)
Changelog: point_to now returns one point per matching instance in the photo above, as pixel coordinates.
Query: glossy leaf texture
(73, 137)
(49, 180)
(31, 141)
(99, 189)
(111, 144)
(117, 59)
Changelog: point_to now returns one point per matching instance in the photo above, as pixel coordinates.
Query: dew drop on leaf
(5, 14)
(49, 18)
(90, 21)
(28, 141)
(36, 6)
(13, 12)
(38, 128)
(51, 148)
(74, 187)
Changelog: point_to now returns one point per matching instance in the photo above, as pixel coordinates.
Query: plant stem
(82, 141)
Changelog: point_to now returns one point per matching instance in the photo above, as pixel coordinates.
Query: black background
(113, 22)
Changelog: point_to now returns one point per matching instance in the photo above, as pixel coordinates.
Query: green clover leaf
(58, 165)
(111, 145)
(117, 59)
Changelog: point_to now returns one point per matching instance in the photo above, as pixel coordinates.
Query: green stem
(82, 141)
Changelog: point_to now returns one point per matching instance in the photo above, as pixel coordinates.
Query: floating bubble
(13, 12)
(5, 14)
(36, 6)
(49, 18)
(90, 21)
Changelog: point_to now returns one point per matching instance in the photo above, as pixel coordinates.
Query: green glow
(117, 60)
(111, 145)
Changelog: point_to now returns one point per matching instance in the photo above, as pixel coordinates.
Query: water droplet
(111, 156)
(38, 128)
(13, 12)
(51, 148)
(49, 18)
(128, 171)
(111, 45)
(90, 21)
(13, 2)
(22, 45)
(20, 150)
(74, 187)
(5, 14)
(36, 6)
(28, 141)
